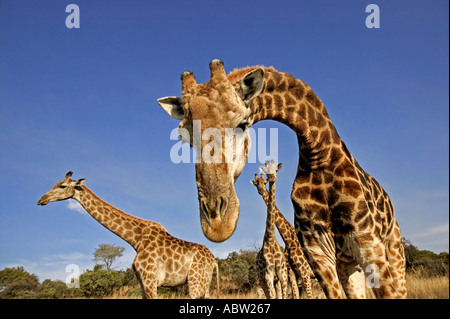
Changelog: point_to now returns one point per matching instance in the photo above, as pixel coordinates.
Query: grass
(418, 285)
(427, 287)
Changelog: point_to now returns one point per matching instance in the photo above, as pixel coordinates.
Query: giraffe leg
(198, 289)
(266, 273)
(206, 280)
(325, 272)
(279, 294)
(377, 269)
(293, 282)
(396, 257)
(140, 280)
(269, 279)
(195, 285)
(260, 268)
(321, 253)
(283, 280)
(151, 290)
(306, 279)
(263, 286)
(199, 279)
(149, 285)
(352, 279)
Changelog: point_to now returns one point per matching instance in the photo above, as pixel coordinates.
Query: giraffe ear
(80, 183)
(173, 106)
(251, 85)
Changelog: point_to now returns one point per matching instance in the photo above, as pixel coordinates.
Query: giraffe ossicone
(270, 168)
(161, 259)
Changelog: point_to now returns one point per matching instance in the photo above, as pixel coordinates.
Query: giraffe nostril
(213, 208)
(223, 204)
(204, 210)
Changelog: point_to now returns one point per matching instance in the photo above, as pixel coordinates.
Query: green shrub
(17, 283)
(100, 283)
(134, 292)
(53, 289)
(240, 269)
(427, 262)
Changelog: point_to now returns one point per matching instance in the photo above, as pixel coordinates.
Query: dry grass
(427, 288)
(419, 287)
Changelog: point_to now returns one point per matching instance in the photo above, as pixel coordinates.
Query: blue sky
(85, 100)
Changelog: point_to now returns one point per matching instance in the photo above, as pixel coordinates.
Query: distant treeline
(237, 275)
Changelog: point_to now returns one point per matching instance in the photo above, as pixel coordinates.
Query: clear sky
(84, 99)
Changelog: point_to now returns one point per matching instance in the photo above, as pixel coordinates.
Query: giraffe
(294, 253)
(344, 219)
(161, 259)
(270, 260)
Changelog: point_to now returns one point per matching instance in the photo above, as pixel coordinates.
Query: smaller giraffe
(161, 259)
(294, 253)
(270, 261)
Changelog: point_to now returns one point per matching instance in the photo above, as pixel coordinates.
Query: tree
(16, 282)
(129, 277)
(425, 261)
(107, 254)
(411, 252)
(238, 270)
(53, 289)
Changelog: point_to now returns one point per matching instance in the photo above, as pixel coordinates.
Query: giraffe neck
(127, 227)
(269, 236)
(286, 230)
(292, 102)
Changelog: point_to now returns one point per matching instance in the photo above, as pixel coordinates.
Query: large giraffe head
(62, 190)
(213, 115)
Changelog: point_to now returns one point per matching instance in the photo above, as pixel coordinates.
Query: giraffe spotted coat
(343, 218)
(161, 259)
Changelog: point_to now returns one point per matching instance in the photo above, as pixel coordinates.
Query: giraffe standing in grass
(344, 219)
(270, 260)
(297, 261)
(161, 259)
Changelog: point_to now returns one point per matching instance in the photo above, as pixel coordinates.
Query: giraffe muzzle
(218, 217)
(213, 209)
(43, 201)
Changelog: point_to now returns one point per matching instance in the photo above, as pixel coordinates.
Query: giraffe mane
(238, 73)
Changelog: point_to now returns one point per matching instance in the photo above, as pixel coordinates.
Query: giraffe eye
(62, 186)
(243, 126)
